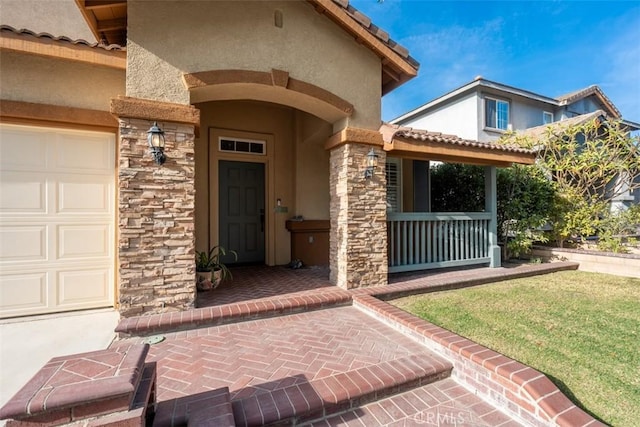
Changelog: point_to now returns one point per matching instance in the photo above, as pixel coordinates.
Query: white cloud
(449, 57)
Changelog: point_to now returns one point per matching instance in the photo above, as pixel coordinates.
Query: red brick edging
(516, 388)
(229, 313)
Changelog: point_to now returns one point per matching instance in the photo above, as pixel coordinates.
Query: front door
(242, 214)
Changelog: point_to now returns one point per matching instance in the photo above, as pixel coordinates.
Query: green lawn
(581, 329)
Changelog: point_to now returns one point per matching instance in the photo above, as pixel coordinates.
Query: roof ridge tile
(366, 23)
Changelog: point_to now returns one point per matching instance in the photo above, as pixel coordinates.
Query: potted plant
(210, 269)
(204, 271)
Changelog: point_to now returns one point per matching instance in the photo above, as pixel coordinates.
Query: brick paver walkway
(262, 355)
(307, 365)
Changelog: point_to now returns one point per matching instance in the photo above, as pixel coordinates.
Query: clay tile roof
(571, 97)
(390, 132)
(61, 39)
(376, 31)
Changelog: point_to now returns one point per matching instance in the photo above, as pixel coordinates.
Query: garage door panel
(23, 243)
(84, 153)
(23, 291)
(57, 220)
(84, 286)
(22, 149)
(90, 196)
(23, 193)
(84, 241)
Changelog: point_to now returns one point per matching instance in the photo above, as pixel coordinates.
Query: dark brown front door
(242, 214)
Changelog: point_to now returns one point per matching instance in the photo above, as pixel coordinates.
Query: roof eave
(33, 44)
(111, 30)
(423, 145)
(400, 69)
(440, 151)
(478, 82)
(632, 126)
(449, 95)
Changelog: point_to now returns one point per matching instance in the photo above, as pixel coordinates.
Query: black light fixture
(372, 163)
(155, 138)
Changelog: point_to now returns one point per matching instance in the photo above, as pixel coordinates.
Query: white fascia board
(476, 83)
(632, 125)
(440, 100)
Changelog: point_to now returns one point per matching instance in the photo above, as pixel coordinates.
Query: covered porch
(268, 291)
(419, 239)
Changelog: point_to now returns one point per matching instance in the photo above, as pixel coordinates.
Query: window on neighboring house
(394, 184)
(496, 114)
(547, 118)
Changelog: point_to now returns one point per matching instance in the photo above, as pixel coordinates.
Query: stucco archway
(275, 86)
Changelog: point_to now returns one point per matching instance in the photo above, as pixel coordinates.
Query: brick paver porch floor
(257, 282)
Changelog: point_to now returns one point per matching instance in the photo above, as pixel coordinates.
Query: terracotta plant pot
(203, 280)
(217, 278)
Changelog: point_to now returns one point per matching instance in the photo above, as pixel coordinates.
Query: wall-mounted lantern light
(155, 138)
(372, 163)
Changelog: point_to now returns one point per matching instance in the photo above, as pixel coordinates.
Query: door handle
(262, 220)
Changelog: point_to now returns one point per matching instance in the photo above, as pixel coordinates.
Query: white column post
(491, 206)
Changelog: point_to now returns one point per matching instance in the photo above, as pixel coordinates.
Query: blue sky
(547, 47)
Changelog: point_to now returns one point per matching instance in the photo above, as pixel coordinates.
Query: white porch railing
(420, 241)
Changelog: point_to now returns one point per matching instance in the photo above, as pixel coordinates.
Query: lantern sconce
(372, 163)
(155, 138)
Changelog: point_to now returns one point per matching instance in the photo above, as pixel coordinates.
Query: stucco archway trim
(147, 109)
(354, 135)
(275, 78)
(21, 112)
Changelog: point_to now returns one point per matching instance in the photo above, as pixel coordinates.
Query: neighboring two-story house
(484, 110)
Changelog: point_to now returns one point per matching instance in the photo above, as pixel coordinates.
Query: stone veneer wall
(358, 236)
(156, 220)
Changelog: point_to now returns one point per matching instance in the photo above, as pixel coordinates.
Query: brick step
(443, 402)
(210, 408)
(322, 397)
(231, 313)
(99, 388)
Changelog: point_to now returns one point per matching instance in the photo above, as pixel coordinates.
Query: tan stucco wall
(42, 80)
(167, 39)
(297, 167)
(56, 17)
(312, 167)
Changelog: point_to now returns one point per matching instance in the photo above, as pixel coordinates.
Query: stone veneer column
(358, 236)
(156, 243)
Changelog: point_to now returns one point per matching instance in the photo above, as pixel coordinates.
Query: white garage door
(56, 220)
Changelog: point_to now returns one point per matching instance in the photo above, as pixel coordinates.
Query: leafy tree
(591, 164)
(525, 200)
(457, 188)
(616, 226)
